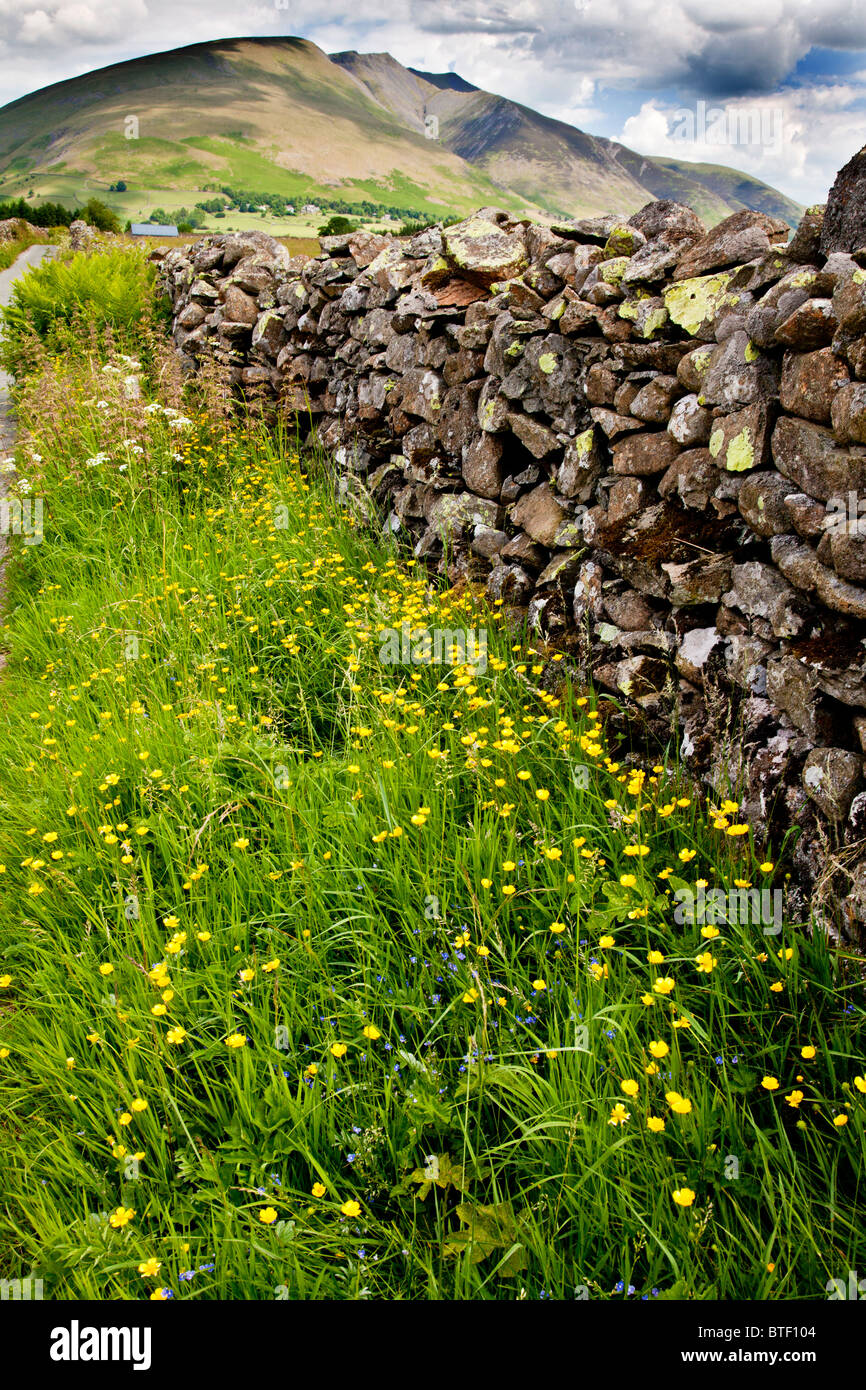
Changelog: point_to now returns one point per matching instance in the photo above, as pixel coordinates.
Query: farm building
(152, 229)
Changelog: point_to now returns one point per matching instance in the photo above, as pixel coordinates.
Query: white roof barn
(153, 229)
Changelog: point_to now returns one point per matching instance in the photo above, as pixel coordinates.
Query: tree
(337, 226)
(98, 214)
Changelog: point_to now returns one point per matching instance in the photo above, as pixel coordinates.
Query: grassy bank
(329, 973)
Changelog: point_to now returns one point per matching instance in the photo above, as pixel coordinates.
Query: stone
(600, 385)
(693, 476)
(612, 424)
(239, 307)
(488, 542)
(593, 229)
(845, 213)
(675, 222)
(451, 512)
(811, 382)
(689, 422)
(745, 662)
(421, 393)
(693, 367)
(848, 555)
(483, 251)
(797, 561)
(626, 498)
(743, 236)
(737, 374)
(653, 402)
(741, 441)
(794, 688)
(493, 408)
(848, 413)
(538, 438)
(509, 585)
(805, 244)
(644, 454)
(807, 515)
(629, 611)
(651, 263)
(839, 595)
(693, 304)
(269, 332)
(525, 552)
(539, 514)
(832, 777)
(811, 325)
(809, 456)
(761, 591)
(581, 466)
(698, 581)
(642, 678)
(562, 567)
(455, 423)
(761, 501)
(695, 650)
(482, 466)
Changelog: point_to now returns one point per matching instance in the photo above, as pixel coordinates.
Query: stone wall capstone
(647, 439)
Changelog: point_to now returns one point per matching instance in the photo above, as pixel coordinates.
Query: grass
(324, 976)
(110, 293)
(11, 250)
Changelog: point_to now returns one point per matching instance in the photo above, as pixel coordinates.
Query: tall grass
(50, 306)
(327, 977)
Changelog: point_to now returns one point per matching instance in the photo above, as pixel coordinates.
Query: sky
(776, 88)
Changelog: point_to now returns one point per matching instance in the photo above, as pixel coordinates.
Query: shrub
(62, 298)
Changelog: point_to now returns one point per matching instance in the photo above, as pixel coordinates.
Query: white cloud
(794, 139)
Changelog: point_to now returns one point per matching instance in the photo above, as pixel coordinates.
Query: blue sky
(774, 87)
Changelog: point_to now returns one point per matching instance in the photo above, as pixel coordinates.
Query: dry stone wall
(647, 439)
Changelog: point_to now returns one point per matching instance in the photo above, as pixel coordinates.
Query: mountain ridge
(280, 116)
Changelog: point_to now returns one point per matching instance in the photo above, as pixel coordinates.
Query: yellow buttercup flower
(684, 1196)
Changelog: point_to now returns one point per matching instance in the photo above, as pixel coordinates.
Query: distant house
(152, 229)
(310, 210)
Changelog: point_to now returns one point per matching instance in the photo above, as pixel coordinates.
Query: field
(331, 970)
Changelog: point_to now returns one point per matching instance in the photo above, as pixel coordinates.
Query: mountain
(552, 164)
(280, 116)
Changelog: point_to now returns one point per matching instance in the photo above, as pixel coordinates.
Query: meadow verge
(330, 971)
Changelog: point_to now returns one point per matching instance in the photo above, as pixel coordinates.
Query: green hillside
(279, 117)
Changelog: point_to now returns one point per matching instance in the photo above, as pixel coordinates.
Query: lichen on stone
(693, 303)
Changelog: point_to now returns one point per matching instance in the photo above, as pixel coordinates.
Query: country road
(32, 256)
